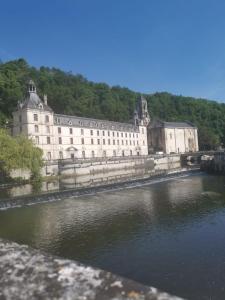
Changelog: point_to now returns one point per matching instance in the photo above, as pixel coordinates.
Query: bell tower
(32, 87)
(141, 115)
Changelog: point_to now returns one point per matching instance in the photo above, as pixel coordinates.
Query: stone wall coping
(27, 273)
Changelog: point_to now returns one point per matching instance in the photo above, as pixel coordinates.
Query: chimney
(45, 100)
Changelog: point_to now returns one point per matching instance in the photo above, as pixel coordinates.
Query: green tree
(19, 153)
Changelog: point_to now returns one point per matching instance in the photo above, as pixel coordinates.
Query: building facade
(62, 136)
(172, 137)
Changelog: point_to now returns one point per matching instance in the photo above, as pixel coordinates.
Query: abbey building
(62, 136)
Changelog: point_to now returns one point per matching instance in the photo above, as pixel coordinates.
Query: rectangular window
(82, 141)
(91, 132)
(108, 141)
(103, 141)
(121, 134)
(93, 153)
(60, 140)
(117, 134)
(122, 142)
(125, 134)
(49, 155)
(104, 153)
(126, 142)
(48, 140)
(108, 133)
(82, 131)
(130, 142)
(71, 130)
(60, 155)
(113, 133)
(36, 128)
(36, 140)
(114, 152)
(92, 141)
(46, 119)
(71, 141)
(103, 133)
(35, 117)
(98, 141)
(113, 142)
(97, 132)
(83, 154)
(118, 142)
(59, 129)
(47, 129)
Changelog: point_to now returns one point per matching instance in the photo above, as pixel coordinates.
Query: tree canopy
(19, 153)
(75, 95)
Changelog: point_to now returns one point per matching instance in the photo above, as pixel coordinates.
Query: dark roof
(33, 101)
(162, 124)
(66, 120)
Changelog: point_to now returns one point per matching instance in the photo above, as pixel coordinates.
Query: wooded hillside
(75, 95)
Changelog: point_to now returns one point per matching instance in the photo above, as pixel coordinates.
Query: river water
(169, 234)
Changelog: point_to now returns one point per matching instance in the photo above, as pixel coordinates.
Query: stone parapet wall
(29, 274)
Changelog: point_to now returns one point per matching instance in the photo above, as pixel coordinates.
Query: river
(170, 234)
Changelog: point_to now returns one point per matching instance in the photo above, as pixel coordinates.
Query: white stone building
(62, 136)
(172, 137)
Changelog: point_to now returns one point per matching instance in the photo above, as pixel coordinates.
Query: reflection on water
(73, 182)
(169, 234)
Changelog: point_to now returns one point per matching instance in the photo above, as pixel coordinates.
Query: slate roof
(163, 124)
(33, 101)
(65, 120)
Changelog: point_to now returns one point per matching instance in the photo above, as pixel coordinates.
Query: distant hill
(75, 95)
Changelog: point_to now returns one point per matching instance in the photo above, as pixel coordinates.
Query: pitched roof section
(162, 124)
(65, 120)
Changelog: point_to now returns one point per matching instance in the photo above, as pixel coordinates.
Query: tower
(141, 115)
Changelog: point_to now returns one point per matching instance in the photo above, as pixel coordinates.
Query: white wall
(107, 143)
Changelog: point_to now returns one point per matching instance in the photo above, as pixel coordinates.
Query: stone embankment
(29, 274)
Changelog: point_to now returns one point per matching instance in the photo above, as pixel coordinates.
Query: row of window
(48, 140)
(104, 142)
(36, 129)
(103, 133)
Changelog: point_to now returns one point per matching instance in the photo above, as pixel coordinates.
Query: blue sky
(147, 45)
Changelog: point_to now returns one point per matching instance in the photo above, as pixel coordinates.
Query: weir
(31, 199)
